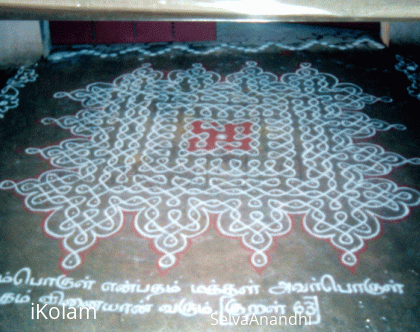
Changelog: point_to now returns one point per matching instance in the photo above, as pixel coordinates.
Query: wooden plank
(65, 33)
(147, 32)
(194, 31)
(114, 32)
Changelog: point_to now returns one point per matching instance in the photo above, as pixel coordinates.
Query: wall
(405, 33)
(21, 42)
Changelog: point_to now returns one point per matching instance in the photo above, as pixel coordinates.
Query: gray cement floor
(170, 196)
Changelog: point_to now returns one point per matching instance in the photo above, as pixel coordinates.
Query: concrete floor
(168, 195)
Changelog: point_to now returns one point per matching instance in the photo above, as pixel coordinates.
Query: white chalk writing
(24, 277)
(127, 287)
(327, 284)
(226, 289)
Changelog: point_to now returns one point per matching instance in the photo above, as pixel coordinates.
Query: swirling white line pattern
(243, 154)
(411, 69)
(9, 95)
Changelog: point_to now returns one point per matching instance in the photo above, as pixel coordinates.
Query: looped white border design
(9, 95)
(113, 51)
(412, 71)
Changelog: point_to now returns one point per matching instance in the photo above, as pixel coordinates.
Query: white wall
(20, 42)
(405, 33)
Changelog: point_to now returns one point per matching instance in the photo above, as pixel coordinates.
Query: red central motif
(226, 136)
